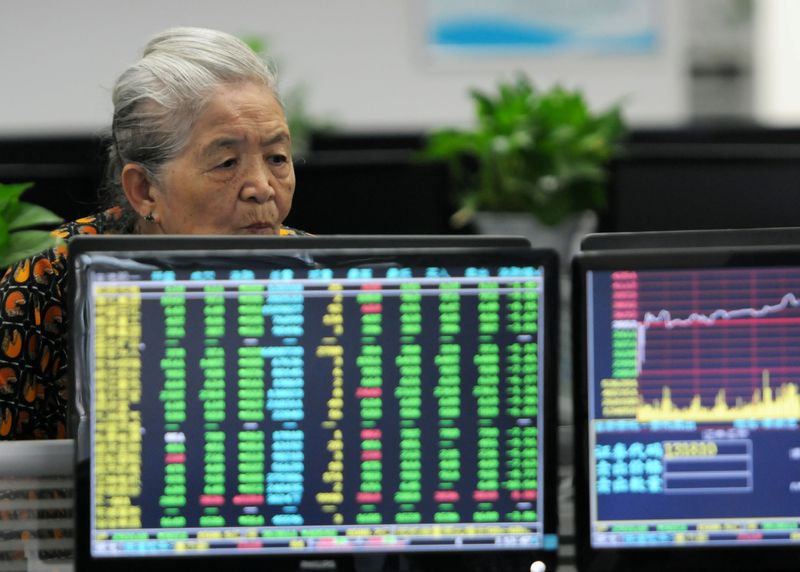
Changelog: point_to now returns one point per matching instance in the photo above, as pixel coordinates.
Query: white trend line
(666, 318)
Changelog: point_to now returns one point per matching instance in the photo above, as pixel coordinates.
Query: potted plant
(542, 153)
(21, 225)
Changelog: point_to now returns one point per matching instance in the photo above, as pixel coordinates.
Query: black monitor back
(692, 179)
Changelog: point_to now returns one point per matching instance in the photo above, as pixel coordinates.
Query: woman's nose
(257, 185)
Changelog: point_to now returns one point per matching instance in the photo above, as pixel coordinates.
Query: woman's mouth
(260, 228)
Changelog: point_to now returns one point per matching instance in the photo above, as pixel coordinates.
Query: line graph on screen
(704, 345)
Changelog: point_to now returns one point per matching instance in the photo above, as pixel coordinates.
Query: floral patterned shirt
(33, 329)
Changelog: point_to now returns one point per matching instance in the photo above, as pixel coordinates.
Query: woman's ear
(138, 189)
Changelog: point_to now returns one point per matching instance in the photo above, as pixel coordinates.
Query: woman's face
(235, 176)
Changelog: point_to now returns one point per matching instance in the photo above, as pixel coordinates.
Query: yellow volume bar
(783, 403)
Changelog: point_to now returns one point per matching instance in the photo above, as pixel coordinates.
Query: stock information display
(291, 410)
(694, 407)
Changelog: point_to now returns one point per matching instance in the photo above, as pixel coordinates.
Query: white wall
(362, 61)
(777, 62)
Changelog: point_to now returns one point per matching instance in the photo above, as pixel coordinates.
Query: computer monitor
(371, 192)
(704, 178)
(288, 404)
(717, 238)
(687, 452)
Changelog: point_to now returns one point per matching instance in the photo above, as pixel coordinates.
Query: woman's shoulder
(46, 267)
(289, 231)
(105, 222)
(32, 334)
(100, 223)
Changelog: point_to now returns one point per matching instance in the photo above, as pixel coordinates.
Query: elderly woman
(199, 145)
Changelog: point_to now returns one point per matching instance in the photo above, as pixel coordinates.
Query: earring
(149, 218)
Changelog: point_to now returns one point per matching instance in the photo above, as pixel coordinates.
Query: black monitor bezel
(375, 246)
(717, 238)
(690, 558)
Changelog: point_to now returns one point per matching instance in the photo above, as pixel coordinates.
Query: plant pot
(564, 238)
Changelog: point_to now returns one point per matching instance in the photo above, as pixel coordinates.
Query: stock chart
(694, 405)
(317, 409)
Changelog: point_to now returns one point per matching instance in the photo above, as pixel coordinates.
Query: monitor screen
(687, 430)
(265, 403)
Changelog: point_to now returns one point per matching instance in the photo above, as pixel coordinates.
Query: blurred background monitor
(371, 192)
(351, 190)
(360, 183)
(705, 178)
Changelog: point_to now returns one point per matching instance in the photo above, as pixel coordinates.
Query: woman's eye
(278, 159)
(227, 164)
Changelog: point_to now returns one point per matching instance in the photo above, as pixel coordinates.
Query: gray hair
(158, 99)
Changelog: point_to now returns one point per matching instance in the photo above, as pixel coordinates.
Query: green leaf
(4, 234)
(9, 194)
(449, 144)
(13, 190)
(255, 43)
(25, 243)
(32, 215)
(484, 107)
